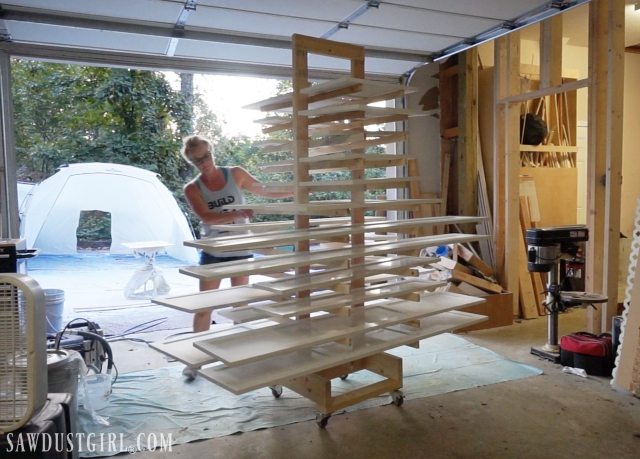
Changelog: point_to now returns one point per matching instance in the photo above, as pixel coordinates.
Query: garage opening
(94, 231)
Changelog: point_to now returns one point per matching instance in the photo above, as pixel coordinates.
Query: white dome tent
(141, 208)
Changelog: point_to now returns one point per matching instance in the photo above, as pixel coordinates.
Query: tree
(74, 114)
(70, 114)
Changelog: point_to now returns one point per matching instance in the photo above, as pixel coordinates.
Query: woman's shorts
(208, 259)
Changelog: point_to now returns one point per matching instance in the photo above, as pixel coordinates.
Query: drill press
(546, 247)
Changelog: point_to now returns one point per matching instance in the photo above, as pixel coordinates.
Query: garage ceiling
(254, 36)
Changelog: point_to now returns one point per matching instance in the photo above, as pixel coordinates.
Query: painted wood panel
(217, 299)
(277, 370)
(259, 344)
(280, 263)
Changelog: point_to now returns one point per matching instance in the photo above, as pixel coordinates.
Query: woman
(214, 188)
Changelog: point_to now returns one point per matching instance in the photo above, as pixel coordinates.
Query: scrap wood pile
(469, 273)
(465, 271)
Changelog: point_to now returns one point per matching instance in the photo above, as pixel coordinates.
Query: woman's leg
(202, 320)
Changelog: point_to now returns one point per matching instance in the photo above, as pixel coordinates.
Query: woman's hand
(245, 213)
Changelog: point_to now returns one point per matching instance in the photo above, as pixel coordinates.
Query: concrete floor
(555, 415)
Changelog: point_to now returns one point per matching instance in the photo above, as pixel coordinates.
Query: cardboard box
(498, 308)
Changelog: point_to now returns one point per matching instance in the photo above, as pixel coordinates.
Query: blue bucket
(54, 300)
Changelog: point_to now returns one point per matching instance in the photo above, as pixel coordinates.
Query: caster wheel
(276, 391)
(343, 377)
(397, 397)
(322, 420)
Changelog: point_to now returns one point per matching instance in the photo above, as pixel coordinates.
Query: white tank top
(216, 201)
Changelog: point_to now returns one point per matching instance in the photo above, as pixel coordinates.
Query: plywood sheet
(557, 191)
(217, 299)
(332, 301)
(331, 277)
(332, 207)
(182, 349)
(358, 88)
(244, 314)
(339, 161)
(367, 88)
(381, 139)
(282, 237)
(277, 370)
(368, 111)
(281, 263)
(256, 345)
(360, 184)
(260, 227)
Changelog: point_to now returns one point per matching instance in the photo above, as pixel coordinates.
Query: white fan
(23, 350)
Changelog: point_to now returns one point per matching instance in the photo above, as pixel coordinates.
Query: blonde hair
(189, 143)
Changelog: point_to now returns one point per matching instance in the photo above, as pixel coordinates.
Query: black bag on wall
(533, 129)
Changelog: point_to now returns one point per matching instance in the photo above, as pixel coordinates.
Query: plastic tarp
(159, 400)
(141, 208)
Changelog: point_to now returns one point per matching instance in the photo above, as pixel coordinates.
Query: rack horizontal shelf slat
(268, 238)
(367, 184)
(333, 207)
(334, 300)
(280, 263)
(330, 277)
(259, 227)
(217, 299)
(280, 369)
(346, 88)
(253, 345)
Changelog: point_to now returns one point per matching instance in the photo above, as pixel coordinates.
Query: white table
(148, 281)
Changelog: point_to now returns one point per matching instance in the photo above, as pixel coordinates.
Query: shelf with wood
(331, 277)
(345, 89)
(365, 184)
(276, 225)
(328, 301)
(334, 207)
(281, 369)
(326, 233)
(339, 161)
(253, 345)
(281, 263)
(331, 309)
(333, 300)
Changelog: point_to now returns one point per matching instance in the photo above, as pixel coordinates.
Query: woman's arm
(209, 217)
(248, 182)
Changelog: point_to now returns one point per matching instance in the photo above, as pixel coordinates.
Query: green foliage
(94, 225)
(74, 114)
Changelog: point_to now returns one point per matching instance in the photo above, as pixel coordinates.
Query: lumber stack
(559, 148)
(466, 273)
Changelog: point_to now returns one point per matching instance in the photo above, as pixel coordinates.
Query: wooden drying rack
(275, 342)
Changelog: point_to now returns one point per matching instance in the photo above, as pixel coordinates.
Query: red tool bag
(593, 353)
